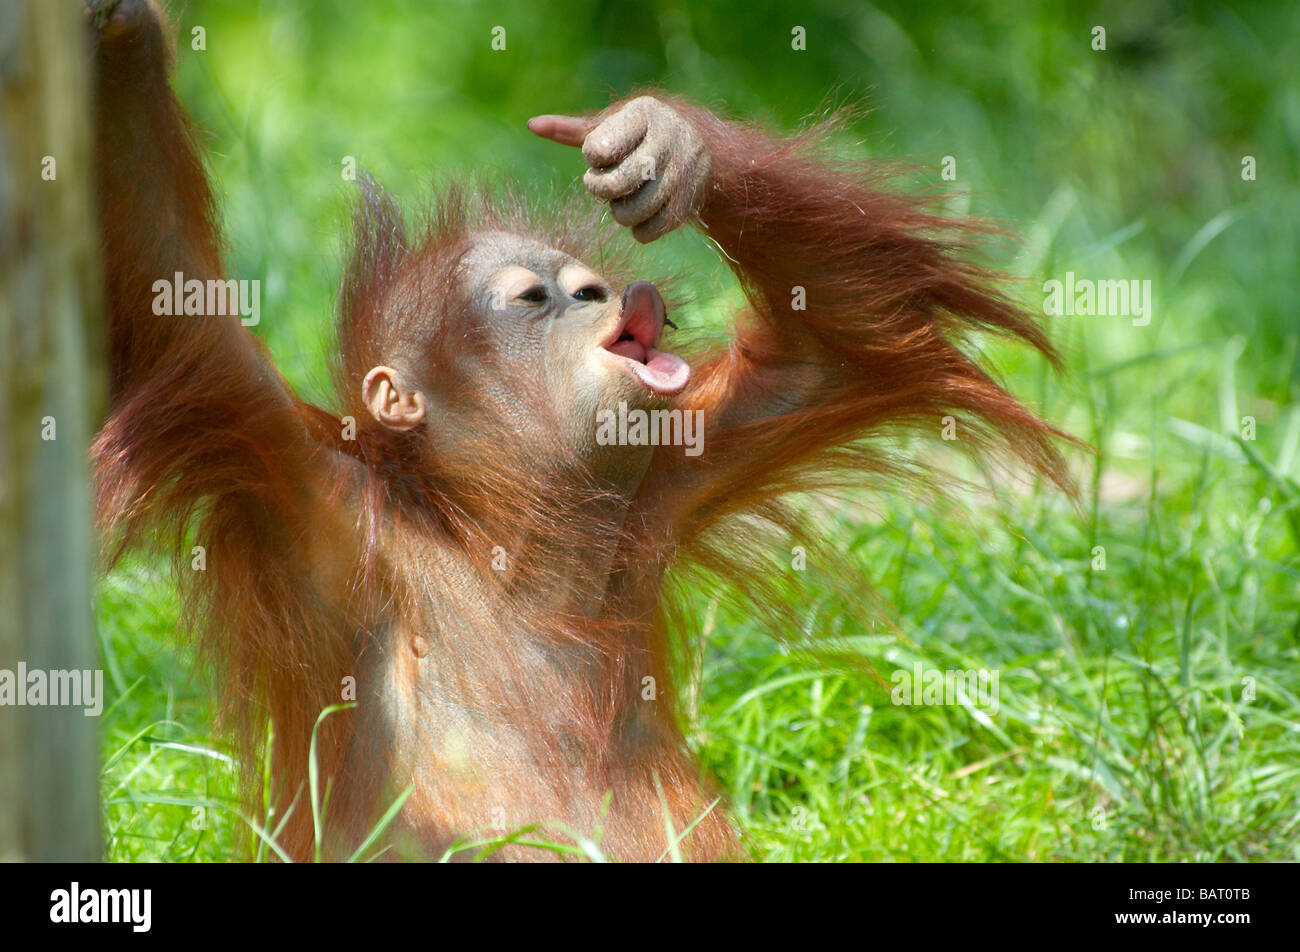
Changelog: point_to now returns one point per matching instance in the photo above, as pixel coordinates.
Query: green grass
(1150, 710)
(1122, 734)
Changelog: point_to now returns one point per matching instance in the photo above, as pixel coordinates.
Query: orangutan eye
(534, 295)
(590, 293)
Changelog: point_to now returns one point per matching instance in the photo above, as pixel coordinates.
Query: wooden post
(52, 392)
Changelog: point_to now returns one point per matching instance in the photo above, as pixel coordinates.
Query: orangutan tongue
(665, 374)
(632, 349)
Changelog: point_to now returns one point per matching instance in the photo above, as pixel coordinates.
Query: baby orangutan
(455, 547)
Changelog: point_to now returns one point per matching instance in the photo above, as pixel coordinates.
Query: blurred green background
(1125, 730)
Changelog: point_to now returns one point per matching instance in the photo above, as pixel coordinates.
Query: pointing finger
(566, 130)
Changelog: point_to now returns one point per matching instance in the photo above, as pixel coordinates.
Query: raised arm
(189, 384)
(205, 446)
(194, 395)
(860, 300)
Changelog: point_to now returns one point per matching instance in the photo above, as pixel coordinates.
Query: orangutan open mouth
(640, 323)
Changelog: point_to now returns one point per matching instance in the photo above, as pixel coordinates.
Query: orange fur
(504, 697)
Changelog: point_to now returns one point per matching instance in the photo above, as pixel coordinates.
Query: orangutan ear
(395, 406)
